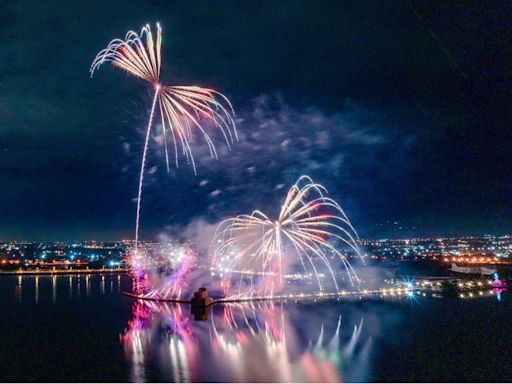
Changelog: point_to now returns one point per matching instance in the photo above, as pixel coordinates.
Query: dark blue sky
(401, 109)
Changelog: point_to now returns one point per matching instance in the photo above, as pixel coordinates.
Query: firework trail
(181, 108)
(256, 246)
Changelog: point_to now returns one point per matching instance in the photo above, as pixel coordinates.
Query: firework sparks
(161, 271)
(256, 247)
(181, 108)
(178, 282)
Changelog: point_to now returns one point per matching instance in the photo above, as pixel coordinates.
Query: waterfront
(79, 328)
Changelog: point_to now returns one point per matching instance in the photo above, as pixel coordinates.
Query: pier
(202, 300)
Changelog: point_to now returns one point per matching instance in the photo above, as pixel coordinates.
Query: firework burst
(182, 109)
(254, 251)
(162, 271)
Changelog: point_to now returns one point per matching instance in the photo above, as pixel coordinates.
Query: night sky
(401, 109)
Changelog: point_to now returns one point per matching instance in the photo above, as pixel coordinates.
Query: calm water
(82, 329)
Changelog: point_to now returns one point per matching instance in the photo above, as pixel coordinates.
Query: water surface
(81, 328)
